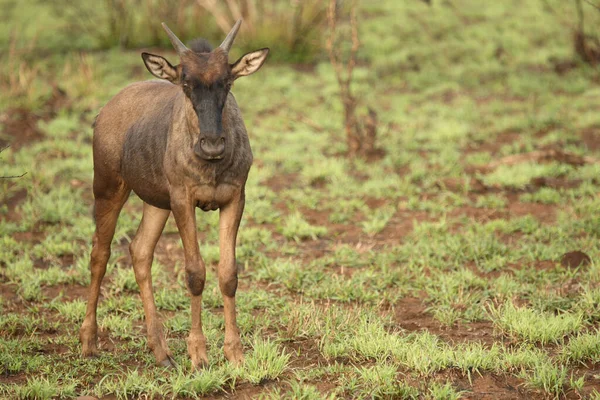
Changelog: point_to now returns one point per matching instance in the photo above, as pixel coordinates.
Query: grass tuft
(582, 348)
(266, 362)
(297, 228)
(533, 326)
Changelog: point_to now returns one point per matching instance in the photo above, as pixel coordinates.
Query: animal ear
(160, 67)
(249, 63)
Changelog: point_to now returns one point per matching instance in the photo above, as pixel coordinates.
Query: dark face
(206, 78)
(206, 81)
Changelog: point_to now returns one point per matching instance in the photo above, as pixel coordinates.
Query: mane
(200, 45)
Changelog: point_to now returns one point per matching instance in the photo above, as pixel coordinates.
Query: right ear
(160, 67)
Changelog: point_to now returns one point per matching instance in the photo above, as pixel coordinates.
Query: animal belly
(156, 198)
(142, 167)
(147, 181)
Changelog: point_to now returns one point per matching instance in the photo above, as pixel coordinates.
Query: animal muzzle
(211, 149)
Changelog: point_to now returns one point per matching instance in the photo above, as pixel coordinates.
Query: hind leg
(107, 207)
(142, 254)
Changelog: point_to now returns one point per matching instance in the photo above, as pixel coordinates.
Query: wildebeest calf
(179, 143)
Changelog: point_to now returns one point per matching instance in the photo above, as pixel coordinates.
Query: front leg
(229, 222)
(183, 208)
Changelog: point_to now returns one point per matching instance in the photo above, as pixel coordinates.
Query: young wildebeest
(178, 144)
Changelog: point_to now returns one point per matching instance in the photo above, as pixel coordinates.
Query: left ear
(249, 63)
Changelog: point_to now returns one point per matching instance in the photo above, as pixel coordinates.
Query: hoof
(89, 353)
(89, 349)
(197, 351)
(168, 362)
(88, 336)
(203, 364)
(236, 361)
(234, 354)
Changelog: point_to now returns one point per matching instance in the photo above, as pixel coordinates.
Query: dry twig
(358, 141)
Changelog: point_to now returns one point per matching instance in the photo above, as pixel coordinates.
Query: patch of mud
(8, 293)
(411, 315)
(497, 387)
(279, 182)
(591, 372)
(590, 136)
(494, 146)
(20, 126)
(545, 213)
(554, 183)
(563, 66)
(66, 292)
(33, 237)
(14, 379)
(478, 214)
(575, 259)
(399, 226)
(247, 391)
(12, 203)
(304, 354)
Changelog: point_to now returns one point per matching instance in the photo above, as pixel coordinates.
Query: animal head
(206, 78)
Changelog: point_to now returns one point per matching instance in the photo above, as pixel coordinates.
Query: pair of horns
(226, 45)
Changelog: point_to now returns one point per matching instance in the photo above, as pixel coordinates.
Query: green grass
(438, 391)
(534, 326)
(267, 362)
(549, 377)
(582, 348)
(297, 228)
(418, 273)
(378, 382)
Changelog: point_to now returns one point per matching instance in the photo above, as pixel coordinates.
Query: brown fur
(208, 67)
(148, 139)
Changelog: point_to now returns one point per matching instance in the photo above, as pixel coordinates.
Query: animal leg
(142, 253)
(184, 212)
(106, 213)
(229, 222)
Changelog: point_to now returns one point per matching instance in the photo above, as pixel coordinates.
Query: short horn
(180, 47)
(226, 45)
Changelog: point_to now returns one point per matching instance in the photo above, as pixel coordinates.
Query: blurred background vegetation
(296, 31)
(293, 28)
(72, 56)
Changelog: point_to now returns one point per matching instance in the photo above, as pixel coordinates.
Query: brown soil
(575, 259)
(8, 292)
(66, 292)
(411, 315)
(12, 203)
(501, 387)
(590, 136)
(21, 125)
(494, 147)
